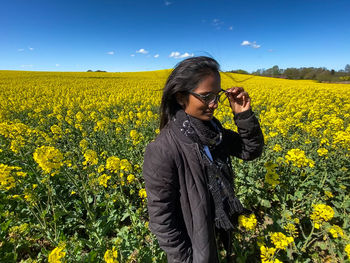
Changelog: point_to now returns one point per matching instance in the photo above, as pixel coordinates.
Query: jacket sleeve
(248, 143)
(165, 218)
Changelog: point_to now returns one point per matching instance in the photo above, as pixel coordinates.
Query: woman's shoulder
(160, 152)
(162, 143)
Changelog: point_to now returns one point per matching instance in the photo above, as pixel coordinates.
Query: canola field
(71, 155)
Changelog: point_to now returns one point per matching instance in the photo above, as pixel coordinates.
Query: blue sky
(135, 35)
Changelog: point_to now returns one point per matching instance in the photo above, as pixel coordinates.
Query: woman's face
(195, 106)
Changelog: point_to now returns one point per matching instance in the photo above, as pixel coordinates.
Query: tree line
(321, 74)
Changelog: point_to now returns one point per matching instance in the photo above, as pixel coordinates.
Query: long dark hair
(185, 77)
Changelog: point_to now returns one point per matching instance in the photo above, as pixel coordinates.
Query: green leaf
(90, 199)
(125, 215)
(265, 203)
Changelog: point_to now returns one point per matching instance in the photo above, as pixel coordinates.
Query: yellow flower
(22, 174)
(135, 137)
(328, 194)
(281, 241)
(267, 255)
(103, 179)
(142, 193)
(277, 148)
(125, 165)
(57, 254)
(321, 213)
(347, 250)
(249, 222)
(83, 144)
(111, 256)
(48, 158)
(297, 158)
(113, 164)
(7, 179)
(101, 168)
(28, 196)
(90, 157)
(55, 129)
(130, 178)
(336, 231)
(322, 151)
(291, 229)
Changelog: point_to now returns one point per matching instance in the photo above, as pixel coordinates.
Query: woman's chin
(207, 116)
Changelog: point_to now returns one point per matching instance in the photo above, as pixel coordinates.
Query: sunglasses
(211, 98)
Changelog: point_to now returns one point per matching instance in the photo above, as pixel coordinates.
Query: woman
(187, 169)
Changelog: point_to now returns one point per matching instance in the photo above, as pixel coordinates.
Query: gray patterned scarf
(208, 133)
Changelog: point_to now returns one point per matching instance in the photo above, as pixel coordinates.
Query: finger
(247, 102)
(243, 95)
(235, 90)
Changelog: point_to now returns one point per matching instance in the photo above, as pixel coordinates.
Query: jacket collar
(182, 137)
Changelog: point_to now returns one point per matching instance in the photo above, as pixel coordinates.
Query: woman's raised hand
(239, 99)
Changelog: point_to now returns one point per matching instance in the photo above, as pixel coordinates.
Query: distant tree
(325, 75)
(89, 70)
(275, 70)
(239, 71)
(292, 73)
(321, 74)
(347, 68)
(259, 72)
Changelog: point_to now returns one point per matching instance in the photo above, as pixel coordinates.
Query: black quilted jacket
(179, 204)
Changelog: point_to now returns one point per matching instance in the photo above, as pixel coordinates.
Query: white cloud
(142, 51)
(270, 50)
(132, 55)
(57, 65)
(185, 55)
(156, 55)
(252, 44)
(110, 53)
(176, 54)
(30, 48)
(230, 28)
(26, 66)
(245, 43)
(20, 49)
(167, 3)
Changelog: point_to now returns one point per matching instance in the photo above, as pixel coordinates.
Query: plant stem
(308, 238)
